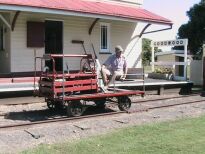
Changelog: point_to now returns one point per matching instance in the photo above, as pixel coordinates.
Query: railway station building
(33, 28)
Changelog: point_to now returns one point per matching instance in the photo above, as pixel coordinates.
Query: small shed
(173, 56)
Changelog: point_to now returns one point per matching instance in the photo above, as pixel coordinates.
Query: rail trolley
(72, 90)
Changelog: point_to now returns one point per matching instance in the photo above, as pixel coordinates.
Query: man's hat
(118, 48)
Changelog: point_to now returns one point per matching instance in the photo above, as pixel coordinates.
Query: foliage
(185, 136)
(194, 30)
(163, 70)
(146, 51)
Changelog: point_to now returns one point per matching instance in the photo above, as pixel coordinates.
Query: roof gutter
(79, 14)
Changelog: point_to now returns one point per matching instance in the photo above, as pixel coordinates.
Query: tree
(194, 30)
(146, 51)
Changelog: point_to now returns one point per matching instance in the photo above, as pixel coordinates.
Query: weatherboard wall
(74, 28)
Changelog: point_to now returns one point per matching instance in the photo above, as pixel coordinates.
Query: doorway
(54, 42)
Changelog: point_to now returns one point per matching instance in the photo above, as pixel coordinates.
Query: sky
(174, 10)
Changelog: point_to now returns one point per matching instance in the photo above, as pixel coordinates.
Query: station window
(104, 37)
(1, 37)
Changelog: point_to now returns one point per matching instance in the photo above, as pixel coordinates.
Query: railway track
(171, 105)
(59, 120)
(165, 98)
(14, 102)
(64, 119)
(161, 99)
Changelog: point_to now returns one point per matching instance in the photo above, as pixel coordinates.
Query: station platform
(27, 84)
(17, 84)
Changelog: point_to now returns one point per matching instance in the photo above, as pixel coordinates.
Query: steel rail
(177, 104)
(166, 106)
(96, 115)
(160, 99)
(138, 101)
(60, 119)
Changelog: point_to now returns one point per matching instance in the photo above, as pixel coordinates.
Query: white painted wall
(196, 73)
(22, 58)
(123, 33)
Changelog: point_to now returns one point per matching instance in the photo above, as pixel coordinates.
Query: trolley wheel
(124, 103)
(100, 103)
(75, 108)
(59, 105)
(51, 104)
(143, 95)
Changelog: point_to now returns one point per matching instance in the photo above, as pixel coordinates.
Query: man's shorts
(110, 72)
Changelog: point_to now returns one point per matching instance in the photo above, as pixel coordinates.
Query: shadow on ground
(51, 114)
(15, 94)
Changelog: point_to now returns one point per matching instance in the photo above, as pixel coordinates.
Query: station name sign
(178, 42)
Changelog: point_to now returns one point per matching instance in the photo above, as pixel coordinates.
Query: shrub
(164, 70)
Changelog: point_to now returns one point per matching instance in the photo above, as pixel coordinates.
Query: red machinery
(71, 90)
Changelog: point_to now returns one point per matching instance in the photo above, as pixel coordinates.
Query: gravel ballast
(16, 140)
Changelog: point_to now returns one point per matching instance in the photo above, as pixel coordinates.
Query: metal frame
(55, 86)
(178, 42)
(93, 25)
(54, 75)
(159, 30)
(5, 21)
(14, 20)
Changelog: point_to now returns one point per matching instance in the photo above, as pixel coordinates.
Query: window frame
(107, 50)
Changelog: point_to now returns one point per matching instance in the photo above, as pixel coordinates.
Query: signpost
(203, 66)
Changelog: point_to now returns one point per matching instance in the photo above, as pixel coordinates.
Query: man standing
(114, 67)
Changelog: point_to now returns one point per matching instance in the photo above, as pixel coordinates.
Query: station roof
(87, 7)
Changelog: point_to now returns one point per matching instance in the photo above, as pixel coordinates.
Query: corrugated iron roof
(91, 7)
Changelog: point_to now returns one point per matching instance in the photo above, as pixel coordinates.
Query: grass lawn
(179, 137)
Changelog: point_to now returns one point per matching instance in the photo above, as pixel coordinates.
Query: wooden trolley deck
(107, 94)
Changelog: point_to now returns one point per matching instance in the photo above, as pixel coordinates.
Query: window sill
(105, 53)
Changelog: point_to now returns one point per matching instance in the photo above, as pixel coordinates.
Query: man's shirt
(116, 64)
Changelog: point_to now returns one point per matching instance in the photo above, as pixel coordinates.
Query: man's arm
(107, 63)
(125, 72)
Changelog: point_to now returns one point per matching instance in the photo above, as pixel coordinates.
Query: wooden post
(203, 66)
(160, 90)
(152, 45)
(34, 54)
(185, 59)
(34, 69)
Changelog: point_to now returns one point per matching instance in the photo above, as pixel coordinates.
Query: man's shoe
(104, 89)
